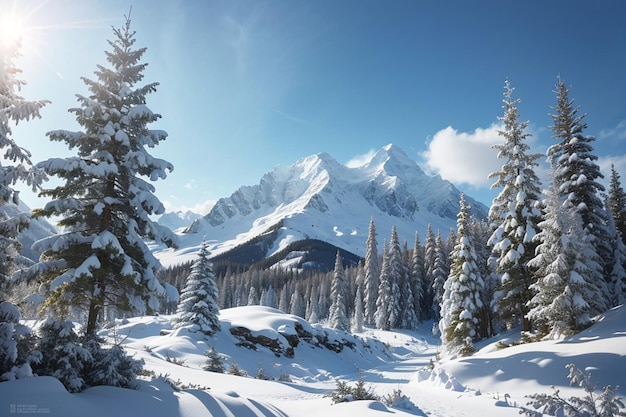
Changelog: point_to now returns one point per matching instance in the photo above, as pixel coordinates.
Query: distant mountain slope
(318, 198)
(176, 220)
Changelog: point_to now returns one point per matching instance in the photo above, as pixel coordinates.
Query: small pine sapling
(605, 404)
(214, 361)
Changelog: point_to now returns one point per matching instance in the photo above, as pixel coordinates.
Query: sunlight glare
(12, 29)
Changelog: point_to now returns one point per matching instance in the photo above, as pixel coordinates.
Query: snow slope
(490, 383)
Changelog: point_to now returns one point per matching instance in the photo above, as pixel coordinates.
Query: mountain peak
(318, 198)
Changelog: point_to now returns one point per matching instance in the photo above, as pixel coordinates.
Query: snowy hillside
(490, 383)
(318, 198)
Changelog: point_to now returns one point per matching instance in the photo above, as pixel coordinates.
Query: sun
(13, 29)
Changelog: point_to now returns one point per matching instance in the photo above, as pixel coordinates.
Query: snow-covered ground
(490, 383)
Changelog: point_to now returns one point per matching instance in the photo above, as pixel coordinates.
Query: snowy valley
(493, 382)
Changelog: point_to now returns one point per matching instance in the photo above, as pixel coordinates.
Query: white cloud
(618, 132)
(200, 208)
(360, 160)
(464, 158)
(204, 208)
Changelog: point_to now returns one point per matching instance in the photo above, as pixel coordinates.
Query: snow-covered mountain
(318, 199)
(178, 219)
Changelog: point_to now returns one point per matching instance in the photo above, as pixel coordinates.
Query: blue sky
(248, 85)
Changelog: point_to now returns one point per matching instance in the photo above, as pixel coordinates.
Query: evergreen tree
(15, 165)
(480, 232)
(297, 305)
(440, 271)
(384, 301)
(514, 213)
(357, 317)
(63, 356)
(576, 175)
(214, 361)
(198, 301)
(268, 297)
(616, 203)
(617, 263)
(431, 306)
(372, 274)
(407, 317)
(564, 294)
(16, 351)
(101, 259)
(461, 303)
(338, 317)
(253, 297)
(110, 366)
(418, 277)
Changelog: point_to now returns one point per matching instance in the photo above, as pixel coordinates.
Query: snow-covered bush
(63, 357)
(234, 369)
(345, 392)
(604, 404)
(214, 361)
(16, 345)
(112, 366)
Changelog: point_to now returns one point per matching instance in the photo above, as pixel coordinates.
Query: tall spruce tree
(514, 213)
(198, 305)
(15, 165)
(383, 316)
(576, 175)
(338, 317)
(432, 306)
(105, 199)
(461, 303)
(617, 263)
(372, 274)
(407, 316)
(440, 272)
(616, 203)
(563, 292)
(418, 276)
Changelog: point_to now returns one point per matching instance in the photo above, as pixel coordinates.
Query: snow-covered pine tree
(268, 297)
(480, 233)
(372, 274)
(514, 213)
(356, 324)
(63, 357)
(407, 317)
(253, 297)
(198, 305)
(16, 350)
(432, 306)
(214, 361)
(385, 297)
(15, 165)
(297, 306)
(440, 271)
(338, 317)
(110, 366)
(564, 294)
(617, 262)
(461, 303)
(105, 201)
(616, 203)
(418, 277)
(576, 174)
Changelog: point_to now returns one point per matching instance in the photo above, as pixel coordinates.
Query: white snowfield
(490, 383)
